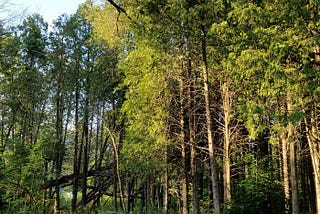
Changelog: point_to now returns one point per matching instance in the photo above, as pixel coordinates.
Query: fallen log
(66, 180)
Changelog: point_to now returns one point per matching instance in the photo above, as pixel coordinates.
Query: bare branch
(119, 9)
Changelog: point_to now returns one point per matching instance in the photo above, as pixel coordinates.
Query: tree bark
(192, 142)
(285, 170)
(75, 150)
(85, 149)
(185, 186)
(56, 208)
(59, 142)
(96, 154)
(293, 165)
(165, 189)
(314, 147)
(115, 146)
(227, 142)
(211, 145)
(314, 138)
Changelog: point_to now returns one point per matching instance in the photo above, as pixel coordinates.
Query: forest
(162, 106)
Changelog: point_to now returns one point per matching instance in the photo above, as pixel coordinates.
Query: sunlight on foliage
(108, 24)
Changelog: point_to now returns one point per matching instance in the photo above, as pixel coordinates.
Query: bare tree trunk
(96, 155)
(115, 184)
(2, 128)
(75, 150)
(185, 186)
(227, 141)
(59, 143)
(115, 146)
(192, 143)
(285, 170)
(45, 191)
(165, 188)
(129, 196)
(85, 151)
(212, 156)
(293, 165)
(195, 183)
(313, 139)
(56, 208)
(314, 147)
(116, 179)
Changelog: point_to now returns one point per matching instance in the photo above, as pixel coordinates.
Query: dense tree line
(172, 106)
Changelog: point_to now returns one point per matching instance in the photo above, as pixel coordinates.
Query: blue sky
(49, 9)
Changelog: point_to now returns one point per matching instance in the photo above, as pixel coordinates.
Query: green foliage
(145, 105)
(33, 46)
(23, 176)
(264, 51)
(109, 24)
(260, 190)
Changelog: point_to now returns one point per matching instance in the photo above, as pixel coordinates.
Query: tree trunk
(96, 156)
(85, 151)
(56, 209)
(285, 170)
(314, 147)
(115, 146)
(115, 184)
(59, 143)
(212, 156)
(75, 150)
(192, 143)
(165, 188)
(195, 183)
(130, 197)
(2, 128)
(227, 142)
(313, 140)
(45, 191)
(293, 165)
(185, 186)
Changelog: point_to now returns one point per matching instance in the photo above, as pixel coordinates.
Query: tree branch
(104, 171)
(119, 9)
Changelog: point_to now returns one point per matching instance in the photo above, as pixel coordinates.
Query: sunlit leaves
(145, 79)
(145, 105)
(108, 24)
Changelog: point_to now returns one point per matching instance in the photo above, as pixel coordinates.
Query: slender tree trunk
(116, 179)
(195, 183)
(314, 147)
(41, 118)
(115, 146)
(85, 152)
(227, 142)
(115, 184)
(86, 143)
(130, 198)
(45, 191)
(285, 170)
(314, 138)
(2, 128)
(75, 150)
(212, 156)
(185, 187)
(185, 182)
(59, 143)
(56, 209)
(192, 142)
(165, 188)
(96, 155)
(293, 165)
